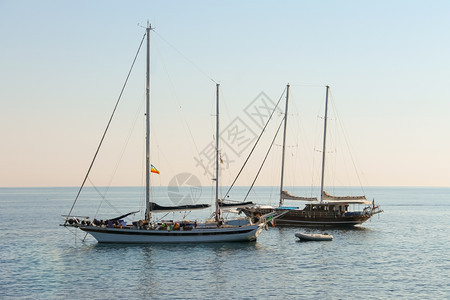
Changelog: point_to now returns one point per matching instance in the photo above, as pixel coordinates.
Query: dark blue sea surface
(402, 253)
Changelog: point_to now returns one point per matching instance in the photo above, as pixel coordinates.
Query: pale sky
(63, 64)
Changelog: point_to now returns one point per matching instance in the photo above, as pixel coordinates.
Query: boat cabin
(327, 207)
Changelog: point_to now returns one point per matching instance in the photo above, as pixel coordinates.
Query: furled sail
(234, 204)
(159, 208)
(286, 196)
(349, 199)
(123, 216)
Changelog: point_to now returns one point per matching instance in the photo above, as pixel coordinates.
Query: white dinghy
(314, 237)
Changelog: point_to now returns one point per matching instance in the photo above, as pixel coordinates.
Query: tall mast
(217, 154)
(147, 121)
(284, 145)
(324, 144)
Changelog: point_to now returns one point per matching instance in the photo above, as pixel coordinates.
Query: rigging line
(224, 103)
(104, 199)
(127, 141)
(267, 154)
(347, 143)
(85, 236)
(317, 141)
(187, 59)
(75, 234)
(107, 126)
(301, 159)
(306, 85)
(175, 96)
(256, 143)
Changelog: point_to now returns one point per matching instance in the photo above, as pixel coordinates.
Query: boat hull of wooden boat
(298, 217)
(196, 235)
(303, 217)
(314, 237)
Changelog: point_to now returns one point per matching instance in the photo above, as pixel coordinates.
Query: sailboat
(329, 210)
(217, 229)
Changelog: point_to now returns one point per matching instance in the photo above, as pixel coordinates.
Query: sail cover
(347, 199)
(286, 196)
(159, 208)
(123, 216)
(230, 204)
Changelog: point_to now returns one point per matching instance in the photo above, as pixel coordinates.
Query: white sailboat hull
(196, 235)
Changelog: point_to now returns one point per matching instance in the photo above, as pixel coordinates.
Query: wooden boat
(337, 213)
(329, 210)
(314, 237)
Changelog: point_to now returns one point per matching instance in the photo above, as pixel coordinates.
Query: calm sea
(400, 254)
